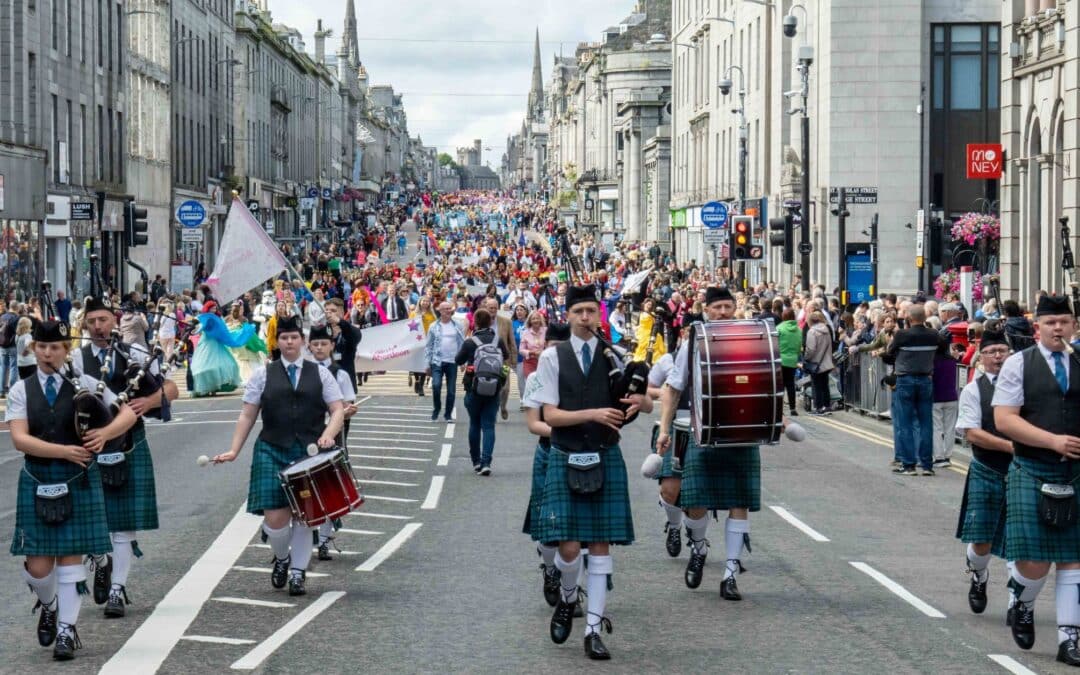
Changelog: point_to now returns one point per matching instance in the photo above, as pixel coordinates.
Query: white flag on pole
(246, 258)
(634, 281)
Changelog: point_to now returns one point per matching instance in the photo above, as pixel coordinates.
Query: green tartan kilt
(667, 469)
(601, 517)
(1026, 537)
(133, 507)
(539, 471)
(721, 478)
(264, 487)
(982, 511)
(86, 532)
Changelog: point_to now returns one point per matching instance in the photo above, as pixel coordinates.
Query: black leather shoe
(595, 649)
(296, 583)
(729, 590)
(280, 574)
(674, 540)
(67, 641)
(1010, 614)
(695, 569)
(562, 621)
(552, 584)
(1023, 625)
(102, 581)
(1069, 652)
(324, 551)
(115, 607)
(977, 594)
(46, 625)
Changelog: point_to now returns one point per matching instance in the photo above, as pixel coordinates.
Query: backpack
(7, 330)
(487, 367)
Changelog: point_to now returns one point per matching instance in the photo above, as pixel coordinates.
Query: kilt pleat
(133, 507)
(264, 486)
(536, 493)
(721, 478)
(982, 511)
(1026, 536)
(85, 532)
(603, 516)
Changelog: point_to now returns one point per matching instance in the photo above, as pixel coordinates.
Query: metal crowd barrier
(863, 391)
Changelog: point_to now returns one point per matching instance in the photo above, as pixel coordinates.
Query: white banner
(246, 258)
(396, 347)
(634, 281)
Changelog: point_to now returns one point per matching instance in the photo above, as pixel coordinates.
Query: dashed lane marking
(256, 656)
(444, 456)
(254, 603)
(898, 590)
(313, 550)
(383, 447)
(389, 548)
(449, 431)
(211, 639)
(267, 570)
(432, 499)
(384, 468)
(403, 500)
(374, 414)
(392, 458)
(382, 429)
(798, 524)
(367, 533)
(369, 481)
(385, 516)
(1010, 664)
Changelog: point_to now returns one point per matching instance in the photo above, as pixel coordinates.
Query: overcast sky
(450, 64)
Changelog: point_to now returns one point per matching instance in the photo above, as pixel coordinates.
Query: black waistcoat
(1044, 404)
(55, 424)
(292, 416)
(581, 391)
(999, 461)
(117, 383)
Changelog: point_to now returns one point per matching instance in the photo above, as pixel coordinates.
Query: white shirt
(532, 385)
(253, 390)
(1010, 384)
(678, 378)
(448, 345)
(970, 415)
(660, 370)
(348, 392)
(16, 400)
(547, 371)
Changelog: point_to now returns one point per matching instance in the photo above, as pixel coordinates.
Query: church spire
(349, 39)
(536, 91)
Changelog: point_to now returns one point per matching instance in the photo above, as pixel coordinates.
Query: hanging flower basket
(972, 227)
(949, 282)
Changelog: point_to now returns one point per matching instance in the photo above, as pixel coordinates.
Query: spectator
(1018, 329)
(27, 362)
(946, 403)
(817, 361)
(912, 353)
(9, 322)
(444, 342)
(133, 326)
(63, 307)
(482, 409)
(790, 348)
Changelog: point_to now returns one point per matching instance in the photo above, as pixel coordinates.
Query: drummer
(294, 396)
(321, 345)
(131, 507)
(670, 480)
(712, 481)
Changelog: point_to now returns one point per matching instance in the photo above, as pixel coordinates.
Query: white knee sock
(1009, 567)
(1068, 604)
(547, 553)
(121, 557)
(326, 532)
(697, 527)
(570, 571)
(44, 588)
(978, 563)
(733, 544)
(1025, 590)
(674, 513)
(600, 566)
(67, 577)
(279, 540)
(300, 545)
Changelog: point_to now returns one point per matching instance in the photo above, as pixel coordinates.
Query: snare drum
(321, 488)
(737, 395)
(680, 441)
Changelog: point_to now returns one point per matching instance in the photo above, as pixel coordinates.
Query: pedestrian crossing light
(135, 225)
(741, 237)
(782, 236)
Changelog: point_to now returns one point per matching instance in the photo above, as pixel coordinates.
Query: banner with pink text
(392, 347)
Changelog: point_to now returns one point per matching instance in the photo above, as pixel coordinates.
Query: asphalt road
(434, 580)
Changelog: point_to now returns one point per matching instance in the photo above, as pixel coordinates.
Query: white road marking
(375, 414)
(1010, 664)
(147, 648)
(11, 512)
(388, 549)
(397, 407)
(255, 603)
(449, 431)
(368, 481)
(390, 499)
(11, 458)
(267, 570)
(378, 515)
(372, 533)
(217, 640)
(383, 429)
(432, 500)
(798, 524)
(899, 590)
(395, 441)
(167, 425)
(444, 456)
(313, 550)
(383, 468)
(256, 656)
(391, 457)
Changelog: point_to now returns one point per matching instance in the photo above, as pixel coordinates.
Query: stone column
(633, 225)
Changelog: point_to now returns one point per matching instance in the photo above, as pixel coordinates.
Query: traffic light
(135, 225)
(782, 235)
(740, 237)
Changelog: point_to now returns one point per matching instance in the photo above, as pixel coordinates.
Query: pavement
(853, 569)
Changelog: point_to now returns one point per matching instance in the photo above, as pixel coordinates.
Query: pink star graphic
(419, 338)
(414, 326)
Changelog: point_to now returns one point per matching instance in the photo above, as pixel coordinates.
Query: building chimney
(320, 44)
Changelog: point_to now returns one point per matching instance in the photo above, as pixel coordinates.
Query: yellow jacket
(644, 331)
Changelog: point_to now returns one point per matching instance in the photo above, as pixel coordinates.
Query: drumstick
(794, 432)
(652, 465)
(203, 460)
(312, 450)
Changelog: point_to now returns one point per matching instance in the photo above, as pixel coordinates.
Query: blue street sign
(191, 213)
(312, 192)
(714, 215)
(327, 193)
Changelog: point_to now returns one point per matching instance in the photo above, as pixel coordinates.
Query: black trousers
(789, 385)
(820, 383)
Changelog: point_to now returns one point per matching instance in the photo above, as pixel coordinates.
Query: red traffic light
(742, 227)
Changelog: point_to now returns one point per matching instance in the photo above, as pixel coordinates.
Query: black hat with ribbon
(51, 331)
(320, 332)
(579, 294)
(289, 324)
(992, 338)
(1053, 305)
(95, 304)
(717, 294)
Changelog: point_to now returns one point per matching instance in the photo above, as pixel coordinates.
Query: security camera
(791, 26)
(725, 87)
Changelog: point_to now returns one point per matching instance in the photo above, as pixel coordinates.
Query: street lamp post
(725, 89)
(806, 58)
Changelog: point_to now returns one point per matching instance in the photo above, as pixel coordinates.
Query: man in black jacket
(912, 353)
(482, 409)
(346, 336)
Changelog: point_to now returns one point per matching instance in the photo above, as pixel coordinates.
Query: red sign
(984, 161)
